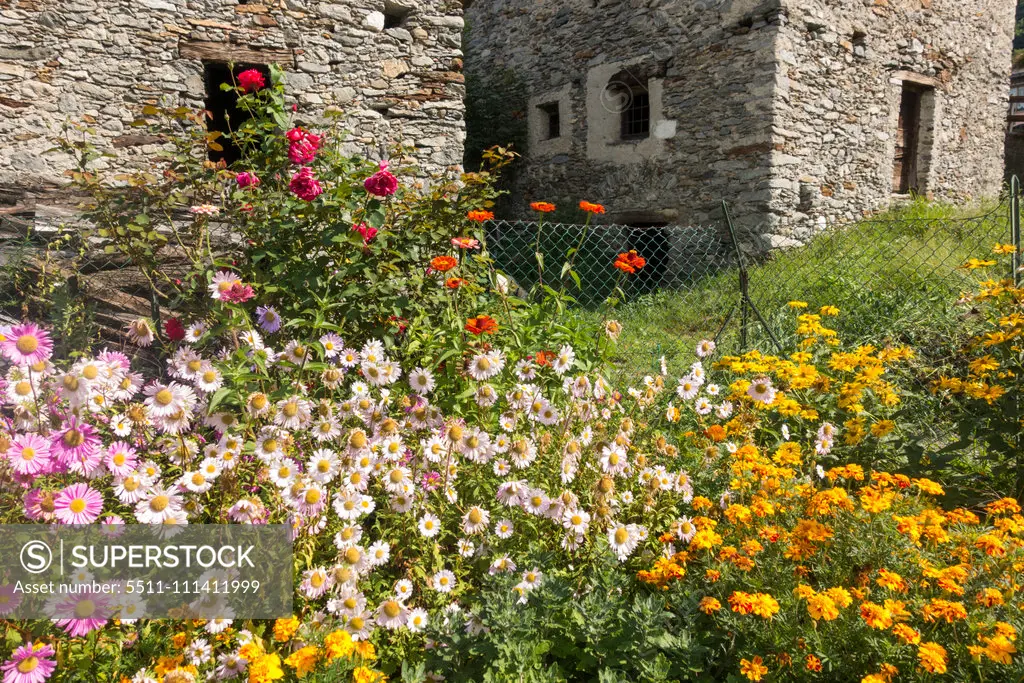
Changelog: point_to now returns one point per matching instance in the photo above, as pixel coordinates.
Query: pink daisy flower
(38, 505)
(91, 611)
(27, 344)
(30, 663)
(78, 504)
(121, 459)
(9, 600)
(30, 455)
(76, 444)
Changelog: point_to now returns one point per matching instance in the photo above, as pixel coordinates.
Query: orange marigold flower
(906, 634)
(989, 597)
(480, 216)
(875, 615)
(812, 663)
(284, 629)
(543, 207)
(1003, 506)
(712, 575)
(992, 545)
(932, 657)
(708, 605)
(443, 264)
(891, 580)
(820, 606)
(591, 208)
(753, 669)
(482, 324)
(629, 262)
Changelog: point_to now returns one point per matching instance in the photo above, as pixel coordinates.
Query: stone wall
(106, 59)
(786, 108)
(711, 78)
(841, 69)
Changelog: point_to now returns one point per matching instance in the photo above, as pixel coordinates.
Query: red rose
(251, 80)
(382, 183)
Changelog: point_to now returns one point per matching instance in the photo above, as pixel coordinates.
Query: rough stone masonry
(394, 68)
(801, 113)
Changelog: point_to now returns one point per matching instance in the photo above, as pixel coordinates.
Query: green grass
(895, 278)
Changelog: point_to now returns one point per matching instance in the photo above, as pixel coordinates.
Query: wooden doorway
(908, 136)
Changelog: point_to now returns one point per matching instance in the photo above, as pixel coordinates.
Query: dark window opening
(650, 240)
(395, 15)
(633, 102)
(225, 115)
(908, 134)
(636, 117)
(552, 120)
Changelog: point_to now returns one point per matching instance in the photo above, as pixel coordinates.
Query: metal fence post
(1015, 226)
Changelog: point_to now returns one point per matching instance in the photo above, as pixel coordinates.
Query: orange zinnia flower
(591, 208)
(544, 357)
(443, 264)
(543, 207)
(454, 282)
(629, 262)
(482, 324)
(480, 216)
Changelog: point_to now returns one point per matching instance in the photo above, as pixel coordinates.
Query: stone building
(393, 67)
(800, 113)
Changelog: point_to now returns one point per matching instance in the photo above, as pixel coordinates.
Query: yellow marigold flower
(1003, 506)
(364, 649)
(738, 514)
(797, 304)
(266, 668)
(303, 660)
(875, 501)
(999, 648)
(284, 629)
(705, 539)
(906, 634)
(829, 310)
(974, 263)
(839, 595)
(701, 503)
(362, 674)
(891, 580)
(338, 644)
(788, 454)
(875, 615)
(708, 605)
(820, 606)
(1005, 630)
(1003, 249)
(932, 657)
(930, 487)
(178, 640)
(753, 669)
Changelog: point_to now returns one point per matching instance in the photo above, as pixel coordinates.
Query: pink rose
(304, 185)
(295, 134)
(302, 152)
(247, 179)
(382, 183)
(251, 80)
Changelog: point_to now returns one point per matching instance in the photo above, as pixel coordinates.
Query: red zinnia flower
(629, 262)
(543, 207)
(174, 329)
(443, 264)
(591, 208)
(482, 324)
(480, 216)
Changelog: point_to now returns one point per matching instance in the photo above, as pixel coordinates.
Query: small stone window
(395, 15)
(222, 105)
(552, 120)
(632, 99)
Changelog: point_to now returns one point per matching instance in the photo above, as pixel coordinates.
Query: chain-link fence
(894, 278)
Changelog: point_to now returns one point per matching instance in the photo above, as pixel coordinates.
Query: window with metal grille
(636, 115)
(551, 121)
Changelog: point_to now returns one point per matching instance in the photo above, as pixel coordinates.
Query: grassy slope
(895, 277)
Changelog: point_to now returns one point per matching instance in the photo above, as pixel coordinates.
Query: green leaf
(217, 398)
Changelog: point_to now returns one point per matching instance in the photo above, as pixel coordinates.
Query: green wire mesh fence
(895, 278)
